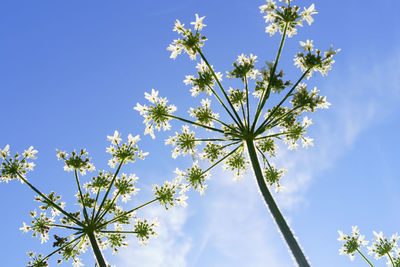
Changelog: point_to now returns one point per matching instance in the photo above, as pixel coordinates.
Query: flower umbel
(238, 135)
(100, 220)
(351, 243)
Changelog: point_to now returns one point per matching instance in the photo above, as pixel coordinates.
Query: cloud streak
(169, 249)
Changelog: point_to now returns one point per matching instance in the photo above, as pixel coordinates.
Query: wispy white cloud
(169, 249)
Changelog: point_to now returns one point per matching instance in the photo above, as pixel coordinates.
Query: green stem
(57, 207)
(273, 123)
(108, 190)
(365, 258)
(247, 102)
(390, 257)
(125, 213)
(109, 207)
(65, 226)
(234, 143)
(101, 262)
(119, 232)
(239, 122)
(273, 135)
(282, 101)
(244, 115)
(223, 123)
(194, 123)
(276, 214)
(265, 94)
(95, 203)
(223, 104)
(81, 196)
(211, 139)
(216, 163)
(69, 243)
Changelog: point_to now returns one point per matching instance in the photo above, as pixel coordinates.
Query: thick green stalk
(101, 262)
(279, 219)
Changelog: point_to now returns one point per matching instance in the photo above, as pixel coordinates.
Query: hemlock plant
(101, 221)
(256, 123)
(381, 247)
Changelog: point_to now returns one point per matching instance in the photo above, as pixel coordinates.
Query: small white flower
(198, 24)
(325, 104)
(76, 262)
(153, 97)
(306, 122)
(308, 45)
(115, 139)
(133, 140)
(179, 27)
(5, 152)
(25, 228)
(111, 150)
(30, 153)
(306, 14)
(293, 146)
(181, 200)
(112, 163)
(44, 237)
(307, 141)
(271, 29)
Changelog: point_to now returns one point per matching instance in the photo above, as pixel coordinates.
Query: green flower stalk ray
(99, 201)
(240, 140)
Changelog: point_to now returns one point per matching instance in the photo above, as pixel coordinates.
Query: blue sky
(72, 71)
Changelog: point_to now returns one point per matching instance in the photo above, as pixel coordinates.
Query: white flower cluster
(125, 186)
(157, 115)
(313, 61)
(124, 152)
(244, 67)
(16, 167)
(183, 143)
(212, 151)
(237, 164)
(167, 193)
(286, 17)
(351, 243)
(77, 161)
(205, 80)
(381, 246)
(237, 97)
(195, 176)
(144, 230)
(191, 41)
(204, 114)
